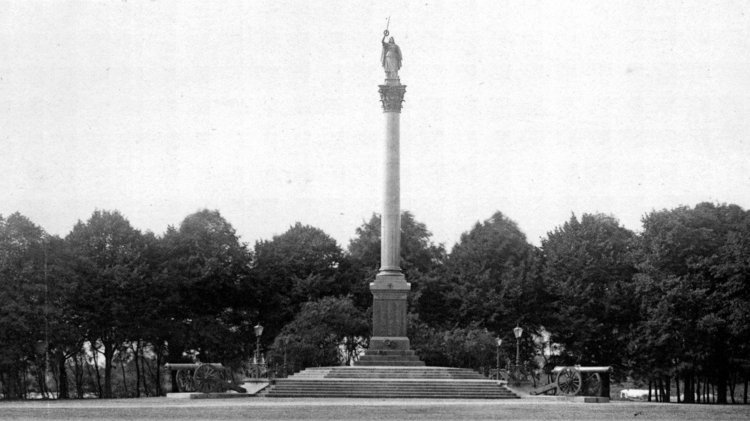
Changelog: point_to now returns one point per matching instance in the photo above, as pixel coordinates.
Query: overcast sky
(270, 113)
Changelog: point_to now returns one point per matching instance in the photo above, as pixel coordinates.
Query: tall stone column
(390, 288)
(389, 344)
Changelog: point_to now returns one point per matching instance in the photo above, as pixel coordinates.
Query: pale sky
(269, 111)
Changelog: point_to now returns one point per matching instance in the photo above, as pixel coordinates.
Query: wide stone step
(403, 373)
(381, 390)
(400, 394)
(389, 381)
(388, 358)
(390, 352)
(389, 396)
(432, 394)
(384, 384)
(398, 362)
(391, 389)
(406, 391)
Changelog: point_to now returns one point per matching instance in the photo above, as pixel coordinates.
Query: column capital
(392, 96)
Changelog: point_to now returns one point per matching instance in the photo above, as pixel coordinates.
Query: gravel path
(356, 409)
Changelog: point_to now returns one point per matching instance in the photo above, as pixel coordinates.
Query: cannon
(204, 377)
(577, 380)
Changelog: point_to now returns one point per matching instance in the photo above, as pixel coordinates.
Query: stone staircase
(389, 382)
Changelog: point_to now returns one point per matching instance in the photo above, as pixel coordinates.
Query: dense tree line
(99, 312)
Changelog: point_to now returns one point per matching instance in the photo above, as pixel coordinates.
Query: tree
(209, 301)
(328, 331)
(694, 284)
(22, 322)
(485, 274)
(297, 266)
(419, 257)
(64, 335)
(469, 347)
(107, 252)
(589, 270)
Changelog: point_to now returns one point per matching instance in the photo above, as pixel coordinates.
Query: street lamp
(499, 343)
(258, 332)
(518, 331)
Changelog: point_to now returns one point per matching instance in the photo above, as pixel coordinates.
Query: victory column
(389, 342)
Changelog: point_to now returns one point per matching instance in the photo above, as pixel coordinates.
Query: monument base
(389, 345)
(400, 358)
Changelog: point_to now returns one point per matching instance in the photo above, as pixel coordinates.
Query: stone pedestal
(389, 312)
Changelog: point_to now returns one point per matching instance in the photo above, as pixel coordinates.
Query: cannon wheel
(593, 384)
(209, 379)
(185, 381)
(569, 381)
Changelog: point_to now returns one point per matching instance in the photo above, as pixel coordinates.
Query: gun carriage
(577, 380)
(206, 377)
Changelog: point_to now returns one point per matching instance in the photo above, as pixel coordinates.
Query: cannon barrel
(585, 369)
(188, 366)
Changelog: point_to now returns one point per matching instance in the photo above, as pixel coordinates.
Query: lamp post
(258, 332)
(499, 343)
(518, 331)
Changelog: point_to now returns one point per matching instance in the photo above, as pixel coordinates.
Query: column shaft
(390, 245)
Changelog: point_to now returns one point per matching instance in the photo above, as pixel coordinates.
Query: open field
(350, 409)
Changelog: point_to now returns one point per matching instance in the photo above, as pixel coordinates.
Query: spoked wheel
(185, 381)
(569, 381)
(209, 379)
(593, 385)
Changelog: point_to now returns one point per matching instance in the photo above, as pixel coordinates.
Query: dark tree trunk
(677, 385)
(24, 382)
(158, 349)
(40, 374)
(78, 375)
(109, 353)
(98, 375)
(721, 386)
(667, 389)
(649, 390)
(124, 379)
(705, 390)
(657, 389)
(145, 369)
(744, 395)
(712, 393)
(11, 383)
(144, 366)
(62, 386)
(137, 371)
(690, 388)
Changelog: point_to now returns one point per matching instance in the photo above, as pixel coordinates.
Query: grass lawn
(361, 409)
